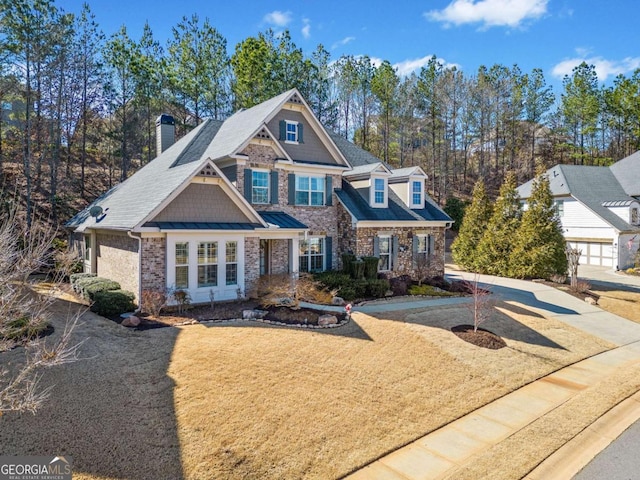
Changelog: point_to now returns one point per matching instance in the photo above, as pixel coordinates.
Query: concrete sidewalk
(453, 445)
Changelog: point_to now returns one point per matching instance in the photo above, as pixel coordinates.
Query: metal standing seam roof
(282, 220)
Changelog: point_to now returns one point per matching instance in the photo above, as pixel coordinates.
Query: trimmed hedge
(84, 282)
(103, 286)
(74, 278)
(377, 288)
(351, 289)
(113, 302)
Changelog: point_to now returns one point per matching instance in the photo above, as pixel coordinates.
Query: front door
(265, 268)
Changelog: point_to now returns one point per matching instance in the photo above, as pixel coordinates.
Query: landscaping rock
(339, 301)
(591, 300)
(131, 322)
(253, 314)
(327, 319)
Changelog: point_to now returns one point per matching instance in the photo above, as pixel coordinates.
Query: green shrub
(371, 267)
(104, 285)
(113, 302)
(332, 279)
(377, 288)
(427, 290)
(22, 328)
(83, 282)
(75, 277)
(357, 269)
(347, 259)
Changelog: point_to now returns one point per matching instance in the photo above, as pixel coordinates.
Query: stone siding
(154, 269)
(359, 241)
(117, 259)
(321, 221)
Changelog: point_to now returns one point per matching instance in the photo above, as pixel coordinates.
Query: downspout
(139, 269)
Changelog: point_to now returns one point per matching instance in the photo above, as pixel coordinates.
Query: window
(423, 244)
(182, 265)
(378, 191)
(416, 193)
(87, 248)
(207, 264)
(558, 205)
(259, 186)
(292, 132)
(310, 190)
(231, 273)
(312, 255)
(634, 216)
(384, 253)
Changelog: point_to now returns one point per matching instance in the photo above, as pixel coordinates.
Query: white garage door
(595, 253)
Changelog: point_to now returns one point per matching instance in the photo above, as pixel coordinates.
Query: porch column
(294, 259)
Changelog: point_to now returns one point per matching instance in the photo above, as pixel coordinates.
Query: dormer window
(291, 131)
(379, 191)
(635, 216)
(416, 194)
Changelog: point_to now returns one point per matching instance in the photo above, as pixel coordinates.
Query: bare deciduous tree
(573, 259)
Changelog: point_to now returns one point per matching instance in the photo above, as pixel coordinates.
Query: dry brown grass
(267, 402)
(623, 303)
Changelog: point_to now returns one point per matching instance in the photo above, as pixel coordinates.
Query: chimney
(165, 132)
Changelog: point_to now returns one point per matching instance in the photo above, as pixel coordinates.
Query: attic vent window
(263, 134)
(207, 172)
(295, 99)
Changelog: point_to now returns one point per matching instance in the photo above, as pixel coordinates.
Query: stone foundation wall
(154, 269)
(117, 259)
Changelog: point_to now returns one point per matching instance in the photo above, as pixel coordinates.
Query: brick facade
(117, 259)
(154, 269)
(321, 221)
(251, 265)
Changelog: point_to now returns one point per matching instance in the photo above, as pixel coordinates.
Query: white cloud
(344, 41)
(277, 18)
(489, 13)
(604, 68)
(408, 66)
(306, 29)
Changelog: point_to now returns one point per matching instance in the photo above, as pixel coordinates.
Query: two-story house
(266, 191)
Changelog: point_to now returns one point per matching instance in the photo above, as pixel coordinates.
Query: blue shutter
(274, 187)
(328, 255)
(283, 130)
(431, 239)
(248, 183)
(300, 130)
(415, 250)
(292, 189)
(328, 191)
(394, 252)
(376, 247)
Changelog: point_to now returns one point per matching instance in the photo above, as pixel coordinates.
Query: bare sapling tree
(573, 259)
(482, 304)
(25, 313)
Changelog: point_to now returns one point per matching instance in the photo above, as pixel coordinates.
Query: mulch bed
(481, 338)
(301, 316)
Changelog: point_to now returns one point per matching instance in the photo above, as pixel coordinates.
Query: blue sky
(554, 35)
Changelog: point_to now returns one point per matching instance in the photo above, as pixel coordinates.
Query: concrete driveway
(608, 278)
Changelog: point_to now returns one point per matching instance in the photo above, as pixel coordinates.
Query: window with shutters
(309, 190)
(231, 273)
(416, 193)
(260, 186)
(312, 254)
(384, 245)
(291, 131)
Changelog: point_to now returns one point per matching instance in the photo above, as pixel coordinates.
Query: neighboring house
(267, 191)
(599, 208)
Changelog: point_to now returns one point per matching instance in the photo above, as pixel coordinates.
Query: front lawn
(255, 401)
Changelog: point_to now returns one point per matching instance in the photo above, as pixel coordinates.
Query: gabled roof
(367, 169)
(360, 209)
(282, 220)
(401, 173)
(627, 172)
(592, 186)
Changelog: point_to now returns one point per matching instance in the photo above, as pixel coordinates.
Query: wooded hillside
(79, 106)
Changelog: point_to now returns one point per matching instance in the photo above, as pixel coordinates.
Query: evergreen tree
(472, 229)
(494, 250)
(539, 247)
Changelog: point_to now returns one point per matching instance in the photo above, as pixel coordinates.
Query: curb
(573, 456)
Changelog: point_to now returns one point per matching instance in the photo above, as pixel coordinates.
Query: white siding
(622, 212)
(580, 222)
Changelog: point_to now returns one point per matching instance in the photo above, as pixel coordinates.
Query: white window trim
(324, 251)
(426, 243)
(637, 210)
(372, 192)
(323, 183)
(411, 202)
(286, 132)
(201, 294)
(387, 254)
(268, 172)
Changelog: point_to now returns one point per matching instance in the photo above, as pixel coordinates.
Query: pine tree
(472, 229)
(539, 249)
(494, 250)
